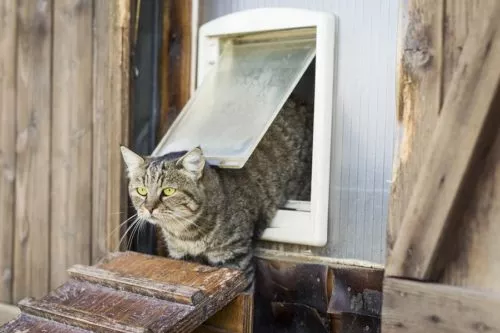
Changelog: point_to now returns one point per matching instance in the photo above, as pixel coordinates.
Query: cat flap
(238, 99)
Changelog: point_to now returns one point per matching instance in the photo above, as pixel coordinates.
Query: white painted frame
(308, 227)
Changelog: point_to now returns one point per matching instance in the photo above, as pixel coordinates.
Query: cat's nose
(150, 207)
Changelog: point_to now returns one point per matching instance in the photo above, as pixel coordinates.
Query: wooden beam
(465, 130)
(414, 307)
(8, 27)
(419, 98)
(32, 239)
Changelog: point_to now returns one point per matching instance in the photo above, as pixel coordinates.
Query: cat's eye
(168, 191)
(142, 191)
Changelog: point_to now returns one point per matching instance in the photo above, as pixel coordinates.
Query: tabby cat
(212, 215)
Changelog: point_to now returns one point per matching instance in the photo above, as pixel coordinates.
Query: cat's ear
(193, 162)
(132, 160)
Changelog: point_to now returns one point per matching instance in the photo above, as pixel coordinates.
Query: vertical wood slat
(71, 137)
(118, 118)
(419, 91)
(175, 64)
(7, 143)
(110, 114)
(100, 149)
(32, 228)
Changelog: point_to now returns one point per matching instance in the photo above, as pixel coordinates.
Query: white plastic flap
(239, 99)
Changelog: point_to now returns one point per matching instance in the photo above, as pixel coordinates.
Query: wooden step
(131, 292)
(148, 287)
(27, 323)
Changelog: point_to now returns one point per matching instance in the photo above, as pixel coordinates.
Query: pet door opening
(248, 65)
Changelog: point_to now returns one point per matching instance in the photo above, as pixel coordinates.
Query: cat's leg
(242, 261)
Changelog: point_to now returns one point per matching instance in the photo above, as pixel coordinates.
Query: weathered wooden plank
(148, 287)
(8, 27)
(173, 272)
(27, 323)
(70, 316)
(101, 129)
(236, 317)
(413, 307)
(71, 181)
(175, 63)
(419, 82)
(467, 125)
(97, 308)
(110, 118)
(221, 285)
(458, 17)
(477, 263)
(88, 302)
(117, 118)
(31, 243)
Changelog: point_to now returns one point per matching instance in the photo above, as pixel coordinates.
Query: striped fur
(215, 213)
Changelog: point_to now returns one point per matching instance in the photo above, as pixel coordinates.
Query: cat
(213, 215)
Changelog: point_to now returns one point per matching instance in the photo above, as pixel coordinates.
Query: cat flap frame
(285, 41)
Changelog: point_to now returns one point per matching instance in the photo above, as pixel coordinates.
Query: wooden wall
(442, 272)
(64, 70)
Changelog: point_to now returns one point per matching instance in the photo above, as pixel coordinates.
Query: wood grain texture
(477, 263)
(111, 65)
(117, 118)
(8, 28)
(32, 241)
(71, 200)
(468, 123)
(101, 129)
(143, 286)
(175, 62)
(90, 302)
(413, 307)
(169, 271)
(419, 84)
(459, 16)
(236, 317)
(27, 323)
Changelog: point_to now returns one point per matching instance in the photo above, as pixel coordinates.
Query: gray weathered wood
(8, 25)
(70, 316)
(32, 238)
(27, 323)
(71, 200)
(419, 98)
(414, 307)
(110, 123)
(468, 123)
(131, 292)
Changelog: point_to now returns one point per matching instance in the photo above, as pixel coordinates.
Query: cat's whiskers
(121, 224)
(126, 231)
(138, 223)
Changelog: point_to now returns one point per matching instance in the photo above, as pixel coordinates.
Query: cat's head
(166, 190)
